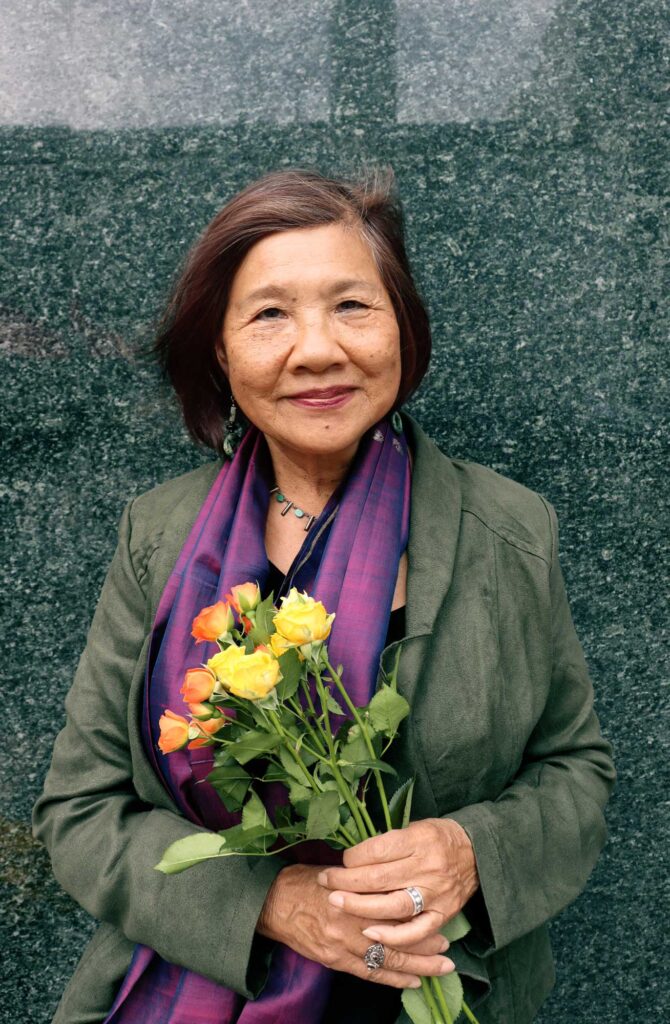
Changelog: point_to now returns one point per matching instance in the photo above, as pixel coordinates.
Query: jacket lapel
(434, 529)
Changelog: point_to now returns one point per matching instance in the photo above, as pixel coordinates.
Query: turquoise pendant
(396, 422)
(299, 513)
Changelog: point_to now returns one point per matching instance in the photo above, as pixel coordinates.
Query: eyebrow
(272, 291)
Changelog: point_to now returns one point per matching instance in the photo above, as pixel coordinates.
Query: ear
(221, 356)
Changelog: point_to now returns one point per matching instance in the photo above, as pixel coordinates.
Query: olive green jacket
(502, 736)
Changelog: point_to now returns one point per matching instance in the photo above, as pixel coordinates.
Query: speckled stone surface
(527, 139)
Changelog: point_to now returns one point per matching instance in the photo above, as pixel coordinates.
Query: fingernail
(415, 984)
(322, 878)
(445, 946)
(370, 933)
(447, 967)
(336, 899)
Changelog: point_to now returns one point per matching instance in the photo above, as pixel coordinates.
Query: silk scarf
(349, 561)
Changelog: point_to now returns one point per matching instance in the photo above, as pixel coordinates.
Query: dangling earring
(234, 431)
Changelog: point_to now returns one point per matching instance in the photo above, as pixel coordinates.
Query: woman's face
(310, 341)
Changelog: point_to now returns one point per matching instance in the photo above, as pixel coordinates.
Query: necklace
(299, 513)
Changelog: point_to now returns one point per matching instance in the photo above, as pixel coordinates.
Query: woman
(297, 308)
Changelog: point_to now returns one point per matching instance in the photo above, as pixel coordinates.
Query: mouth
(319, 398)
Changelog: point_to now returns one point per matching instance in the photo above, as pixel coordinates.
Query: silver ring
(417, 900)
(374, 956)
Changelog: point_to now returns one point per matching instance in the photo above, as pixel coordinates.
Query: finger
(381, 975)
(404, 934)
(393, 845)
(412, 963)
(435, 943)
(382, 877)
(385, 905)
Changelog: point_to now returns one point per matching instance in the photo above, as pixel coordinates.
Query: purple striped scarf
(349, 560)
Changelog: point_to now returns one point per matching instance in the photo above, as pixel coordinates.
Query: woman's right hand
(297, 913)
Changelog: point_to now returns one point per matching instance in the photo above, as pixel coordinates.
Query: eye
(270, 309)
(355, 302)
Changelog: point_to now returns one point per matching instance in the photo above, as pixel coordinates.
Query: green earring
(396, 422)
(234, 432)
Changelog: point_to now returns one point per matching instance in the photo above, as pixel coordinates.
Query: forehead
(304, 258)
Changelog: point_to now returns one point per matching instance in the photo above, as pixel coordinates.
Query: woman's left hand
(434, 855)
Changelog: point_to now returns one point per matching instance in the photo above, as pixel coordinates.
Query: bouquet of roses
(265, 701)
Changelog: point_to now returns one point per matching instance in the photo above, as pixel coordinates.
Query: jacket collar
(435, 518)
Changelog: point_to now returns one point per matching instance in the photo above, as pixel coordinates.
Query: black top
(354, 1000)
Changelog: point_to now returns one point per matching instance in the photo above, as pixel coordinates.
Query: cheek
(253, 364)
(382, 362)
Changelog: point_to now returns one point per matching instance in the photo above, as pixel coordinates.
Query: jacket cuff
(246, 961)
(485, 910)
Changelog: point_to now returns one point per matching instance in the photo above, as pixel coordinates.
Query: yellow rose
(279, 644)
(251, 676)
(222, 664)
(301, 620)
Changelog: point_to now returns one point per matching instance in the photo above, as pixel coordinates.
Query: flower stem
(368, 820)
(342, 785)
(469, 1014)
(290, 746)
(435, 1014)
(368, 742)
(300, 713)
(441, 1001)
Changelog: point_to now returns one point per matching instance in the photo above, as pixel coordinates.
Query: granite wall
(527, 139)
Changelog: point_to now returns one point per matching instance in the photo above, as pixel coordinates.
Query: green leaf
(283, 815)
(415, 1005)
(400, 804)
(456, 927)
(253, 743)
(380, 766)
(189, 851)
(264, 626)
(290, 766)
(353, 755)
(387, 710)
(324, 815)
(300, 797)
(222, 757)
(274, 773)
(332, 704)
(291, 670)
(256, 840)
(231, 783)
(452, 990)
(254, 814)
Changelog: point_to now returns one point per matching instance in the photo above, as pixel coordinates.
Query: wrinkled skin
(435, 855)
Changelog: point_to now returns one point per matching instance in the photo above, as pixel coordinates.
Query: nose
(316, 346)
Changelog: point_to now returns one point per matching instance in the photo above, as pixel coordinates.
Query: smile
(325, 401)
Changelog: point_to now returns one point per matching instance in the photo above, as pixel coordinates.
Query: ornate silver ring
(417, 900)
(374, 956)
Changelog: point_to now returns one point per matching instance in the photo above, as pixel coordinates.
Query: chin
(327, 438)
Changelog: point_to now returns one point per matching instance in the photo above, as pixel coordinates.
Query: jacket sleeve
(538, 841)
(104, 841)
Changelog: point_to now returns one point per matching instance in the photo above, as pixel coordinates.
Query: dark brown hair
(295, 198)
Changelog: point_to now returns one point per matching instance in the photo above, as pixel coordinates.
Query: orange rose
(174, 732)
(201, 711)
(213, 622)
(208, 728)
(245, 597)
(198, 685)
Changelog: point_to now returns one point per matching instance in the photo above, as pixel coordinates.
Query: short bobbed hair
(190, 329)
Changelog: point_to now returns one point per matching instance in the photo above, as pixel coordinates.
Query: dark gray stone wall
(528, 143)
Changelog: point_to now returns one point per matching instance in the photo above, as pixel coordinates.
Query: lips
(319, 399)
(323, 393)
